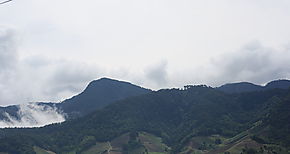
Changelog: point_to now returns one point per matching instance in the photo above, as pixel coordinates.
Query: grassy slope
(151, 144)
(168, 101)
(237, 144)
(98, 148)
(39, 150)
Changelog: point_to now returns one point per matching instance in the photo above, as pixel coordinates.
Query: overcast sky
(51, 49)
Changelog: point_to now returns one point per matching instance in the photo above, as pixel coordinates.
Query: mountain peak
(100, 93)
(107, 80)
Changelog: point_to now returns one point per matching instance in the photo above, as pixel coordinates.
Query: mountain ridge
(240, 87)
(101, 92)
(97, 94)
(176, 116)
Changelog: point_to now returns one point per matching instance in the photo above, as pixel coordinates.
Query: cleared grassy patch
(152, 143)
(39, 150)
(98, 148)
(118, 142)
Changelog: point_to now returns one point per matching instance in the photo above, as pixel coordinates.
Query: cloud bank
(38, 78)
(53, 54)
(157, 73)
(254, 62)
(33, 115)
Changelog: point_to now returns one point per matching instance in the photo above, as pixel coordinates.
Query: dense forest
(177, 116)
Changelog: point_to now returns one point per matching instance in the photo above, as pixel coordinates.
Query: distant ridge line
(241, 87)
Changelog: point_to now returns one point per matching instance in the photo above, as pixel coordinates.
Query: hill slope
(175, 115)
(98, 94)
(239, 87)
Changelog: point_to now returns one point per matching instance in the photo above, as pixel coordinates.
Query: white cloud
(255, 62)
(157, 73)
(38, 78)
(33, 115)
(60, 46)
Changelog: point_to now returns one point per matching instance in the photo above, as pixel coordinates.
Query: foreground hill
(197, 119)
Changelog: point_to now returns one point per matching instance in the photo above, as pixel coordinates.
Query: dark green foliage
(249, 151)
(218, 141)
(282, 84)
(133, 143)
(243, 87)
(20, 144)
(239, 87)
(172, 114)
(86, 143)
(278, 123)
(259, 139)
(98, 94)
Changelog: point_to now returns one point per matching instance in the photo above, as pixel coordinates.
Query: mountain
(10, 110)
(104, 91)
(98, 94)
(282, 84)
(198, 119)
(239, 87)
(250, 87)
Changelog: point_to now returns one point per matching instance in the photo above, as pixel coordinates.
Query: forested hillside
(176, 116)
(96, 95)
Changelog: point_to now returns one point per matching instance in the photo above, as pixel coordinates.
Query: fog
(33, 115)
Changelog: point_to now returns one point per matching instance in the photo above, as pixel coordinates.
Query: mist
(33, 115)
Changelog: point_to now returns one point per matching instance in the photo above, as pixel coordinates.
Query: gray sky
(51, 49)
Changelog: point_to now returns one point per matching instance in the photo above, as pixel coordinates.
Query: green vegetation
(98, 94)
(39, 150)
(198, 119)
(98, 148)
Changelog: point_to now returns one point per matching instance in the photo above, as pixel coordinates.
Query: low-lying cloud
(33, 115)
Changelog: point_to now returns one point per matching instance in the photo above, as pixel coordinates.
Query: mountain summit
(98, 94)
